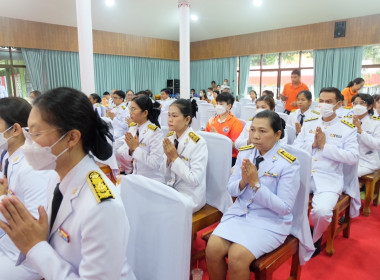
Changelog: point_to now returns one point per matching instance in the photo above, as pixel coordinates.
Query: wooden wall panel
(29, 34)
(359, 31)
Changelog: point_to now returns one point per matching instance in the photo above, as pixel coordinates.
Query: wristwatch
(257, 186)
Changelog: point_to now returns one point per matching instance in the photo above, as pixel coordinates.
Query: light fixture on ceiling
(194, 17)
(110, 3)
(257, 3)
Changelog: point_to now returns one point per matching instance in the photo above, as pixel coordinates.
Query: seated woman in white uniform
(143, 141)
(296, 118)
(263, 103)
(85, 222)
(368, 133)
(96, 103)
(253, 96)
(29, 185)
(186, 154)
(261, 217)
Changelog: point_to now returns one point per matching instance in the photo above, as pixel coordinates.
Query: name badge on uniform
(335, 135)
(273, 175)
(142, 144)
(184, 158)
(64, 235)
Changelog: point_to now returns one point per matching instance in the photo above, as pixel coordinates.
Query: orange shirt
(291, 92)
(348, 94)
(231, 128)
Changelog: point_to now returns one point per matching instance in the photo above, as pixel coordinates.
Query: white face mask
(220, 109)
(201, 94)
(40, 158)
(360, 110)
(326, 110)
(3, 140)
(260, 110)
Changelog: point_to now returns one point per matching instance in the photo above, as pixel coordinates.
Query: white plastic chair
(244, 101)
(300, 225)
(242, 122)
(248, 112)
(204, 114)
(196, 123)
(164, 118)
(283, 116)
(218, 170)
(236, 109)
(291, 133)
(211, 113)
(160, 238)
(279, 107)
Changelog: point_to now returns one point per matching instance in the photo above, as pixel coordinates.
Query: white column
(86, 53)
(184, 47)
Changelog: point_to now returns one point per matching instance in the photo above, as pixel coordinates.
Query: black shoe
(317, 246)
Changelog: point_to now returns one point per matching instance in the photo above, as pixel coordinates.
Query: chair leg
(347, 223)
(331, 233)
(368, 197)
(263, 275)
(376, 193)
(295, 270)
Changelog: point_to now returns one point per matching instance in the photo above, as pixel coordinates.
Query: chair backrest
(196, 123)
(248, 112)
(204, 114)
(300, 225)
(352, 188)
(291, 133)
(164, 118)
(243, 122)
(161, 221)
(236, 109)
(279, 108)
(244, 101)
(218, 170)
(283, 116)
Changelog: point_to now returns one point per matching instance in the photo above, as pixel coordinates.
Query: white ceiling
(217, 18)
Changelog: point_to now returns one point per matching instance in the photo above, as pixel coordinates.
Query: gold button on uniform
(250, 201)
(313, 171)
(315, 159)
(319, 149)
(246, 210)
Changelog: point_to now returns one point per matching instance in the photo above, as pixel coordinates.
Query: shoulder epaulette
(286, 155)
(98, 186)
(347, 108)
(375, 118)
(312, 119)
(348, 123)
(293, 110)
(251, 119)
(348, 116)
(315, 112)
(194, 137)
(248, 147)
(132, 124)
(152, 127)
(170, 133)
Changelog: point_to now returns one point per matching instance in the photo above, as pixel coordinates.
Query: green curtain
(203, 72)
(245, 64)
(50, 69)
(336, 67)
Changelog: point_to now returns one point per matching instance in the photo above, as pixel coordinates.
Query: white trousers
(364, 171)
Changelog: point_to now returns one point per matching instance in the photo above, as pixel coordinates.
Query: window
(14, 78)
(272, 71)
(371, 69)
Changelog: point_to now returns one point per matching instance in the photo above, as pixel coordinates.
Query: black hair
(276, 122)
(268, 93)
(96, 97)
(296, 72)
(192, 89)
(268, 100)
(356, 81)
(15, 110)
(226, 97)
(120, 93)
(213, 82)
(129, 90)
(166, 90)
(376, 97)
(202, 90)
(106, 93)
(150, 93)
(253, 91)
(216, 91)
(143, 92)
(338, 94)
(67, 109)
(188, 108)
(307, 94)
(36, 93)
(367, 98)
(145, 103)
(210, 88)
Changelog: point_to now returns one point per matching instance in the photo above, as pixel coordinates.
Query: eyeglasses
(37, 134)
(133, 109)
(362, 102)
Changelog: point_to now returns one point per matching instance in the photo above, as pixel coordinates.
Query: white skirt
(257, 240)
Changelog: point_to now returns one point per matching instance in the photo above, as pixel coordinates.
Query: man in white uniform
(118, 114)
(165, 100)
(332, 142)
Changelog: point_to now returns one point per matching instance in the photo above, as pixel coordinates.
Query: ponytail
(154, 113)
(186, 107)
(145, 104)
(356, 81)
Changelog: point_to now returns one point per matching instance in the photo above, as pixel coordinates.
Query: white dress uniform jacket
(100, 109)
(119, 124)
(343, 111)
(295, 117)
(88, 240)
(188, 172)
(166, 104)
(148, 155)
(369, 144)
(30, 186)
(341, 147)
